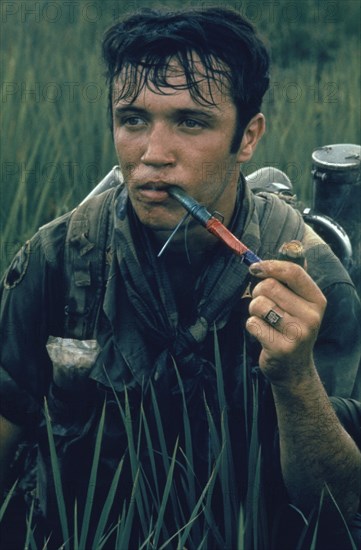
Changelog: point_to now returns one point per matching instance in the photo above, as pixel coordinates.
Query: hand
(285, 288)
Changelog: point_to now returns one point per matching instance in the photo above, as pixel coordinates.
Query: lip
(154, 191)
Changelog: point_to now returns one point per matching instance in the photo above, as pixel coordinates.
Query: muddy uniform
(162, 351)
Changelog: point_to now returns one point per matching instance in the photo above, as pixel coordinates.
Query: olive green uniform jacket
(35, 304)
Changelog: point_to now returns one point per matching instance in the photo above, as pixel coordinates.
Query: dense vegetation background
(55, 142)
(56, 145)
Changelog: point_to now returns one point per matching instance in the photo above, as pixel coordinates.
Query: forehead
(202, 86)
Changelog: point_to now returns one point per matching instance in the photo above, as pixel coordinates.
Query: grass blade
(352, 543)
(241, 529)
(228, 482)
(190, 475)
(29, 531)
(124, 538)
(107, 506)
(5, 504)
(57, 479)
(209, 485)
(163, 448)
(315, 532)
(76, 533)
(149, 443)
(135, 464)
(326, 489)
(92, 483)
(165, 497)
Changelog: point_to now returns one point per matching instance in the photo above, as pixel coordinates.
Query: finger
(295, 309)
(290, 274)
(285, 298)
(277, 342)
(266, 309)
(264, 312)
(281, 339)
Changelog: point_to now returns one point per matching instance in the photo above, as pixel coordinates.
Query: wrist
(303, 380)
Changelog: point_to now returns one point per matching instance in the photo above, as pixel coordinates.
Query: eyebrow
(120, 109)
(207, 113)
(183, 112)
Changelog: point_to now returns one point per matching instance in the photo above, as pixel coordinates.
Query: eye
(191, 123)
(130, 121)
(133, 121)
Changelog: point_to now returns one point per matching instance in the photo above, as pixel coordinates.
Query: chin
(158, 218)
(159, 227)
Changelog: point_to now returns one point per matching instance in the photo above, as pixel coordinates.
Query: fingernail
(255, 269)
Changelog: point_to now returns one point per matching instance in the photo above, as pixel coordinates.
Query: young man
(192, 368)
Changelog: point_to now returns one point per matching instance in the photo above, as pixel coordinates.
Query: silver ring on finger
(273, 318)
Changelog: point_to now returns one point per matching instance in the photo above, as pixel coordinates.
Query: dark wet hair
(143, 46)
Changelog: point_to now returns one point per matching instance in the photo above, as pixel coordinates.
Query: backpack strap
(279, 223)
(87, 252)
(86, 263)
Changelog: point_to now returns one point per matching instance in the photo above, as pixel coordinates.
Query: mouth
(154, 192)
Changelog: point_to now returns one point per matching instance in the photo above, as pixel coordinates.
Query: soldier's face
(169, 138)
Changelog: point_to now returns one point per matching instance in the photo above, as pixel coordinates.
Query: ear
(251, 136)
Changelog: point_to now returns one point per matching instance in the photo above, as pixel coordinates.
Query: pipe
(213, 225)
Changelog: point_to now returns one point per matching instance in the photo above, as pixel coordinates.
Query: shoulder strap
(88, 249)
(279, 223)
(86, 263)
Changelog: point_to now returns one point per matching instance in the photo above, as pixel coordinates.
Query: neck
(191, 242)
(184, 266)
(191, 238)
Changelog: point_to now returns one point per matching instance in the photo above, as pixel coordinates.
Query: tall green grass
(56, 145)
(55, 142)
(304, 112)
(144, 520)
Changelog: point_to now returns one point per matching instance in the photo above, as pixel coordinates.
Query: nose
(159, 150)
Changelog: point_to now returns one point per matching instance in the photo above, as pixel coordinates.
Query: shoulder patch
(18, 267)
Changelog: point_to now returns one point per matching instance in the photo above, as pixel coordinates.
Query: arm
(27, 295)
(314, 447)
(9, 436)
